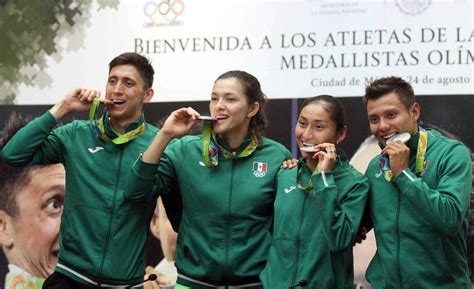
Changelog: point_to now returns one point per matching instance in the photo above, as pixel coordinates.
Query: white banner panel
(295, 48)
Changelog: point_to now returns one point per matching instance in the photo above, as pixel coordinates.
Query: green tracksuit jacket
(227, 210)
(103, 234)
(314, 229)
(421, 222)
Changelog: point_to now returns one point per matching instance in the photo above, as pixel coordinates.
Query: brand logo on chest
(94, 150)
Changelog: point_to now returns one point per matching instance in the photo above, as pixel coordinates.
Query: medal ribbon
(210, 153)
(98, 127)
(309, 185)
(211, 148)
(20, 281)
(421, 151)
(420, 157)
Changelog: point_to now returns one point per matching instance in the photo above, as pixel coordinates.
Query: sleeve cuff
(144, 170)
(46, 120)
(405, 180)
(325, 178)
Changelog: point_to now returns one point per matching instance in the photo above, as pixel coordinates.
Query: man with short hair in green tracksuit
(103, 233)
(419, 199)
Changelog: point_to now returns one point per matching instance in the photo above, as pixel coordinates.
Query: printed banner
(295, 48)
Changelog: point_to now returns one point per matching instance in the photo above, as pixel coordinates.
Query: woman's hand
(326, 157)
(180, 122)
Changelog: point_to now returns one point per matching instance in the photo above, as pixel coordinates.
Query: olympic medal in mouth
(403, 137)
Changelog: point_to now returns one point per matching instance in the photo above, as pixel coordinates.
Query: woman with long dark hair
(226, 177)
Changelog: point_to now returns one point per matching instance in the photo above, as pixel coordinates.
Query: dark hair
(142, 64)
(332, 105)
(254, 93)
(12, 179)
(384, 86)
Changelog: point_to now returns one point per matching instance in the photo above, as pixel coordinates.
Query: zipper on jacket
(229, 224)
(298, 241)
(397, 232)
(111, 215)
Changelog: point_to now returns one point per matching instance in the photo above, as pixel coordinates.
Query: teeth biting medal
(111, 101)
(205, 117)
(403, 137)
(309, 148)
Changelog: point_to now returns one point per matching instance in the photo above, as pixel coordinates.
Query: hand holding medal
(326, 156)
(324, 153)
(397, 153)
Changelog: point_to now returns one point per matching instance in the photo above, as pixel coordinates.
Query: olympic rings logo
(259, 174)
(169, 10)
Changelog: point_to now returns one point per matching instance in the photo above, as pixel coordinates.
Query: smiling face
(31, 238)
(388, 116)
(315, 126)
(230, 105)
(126, 87)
